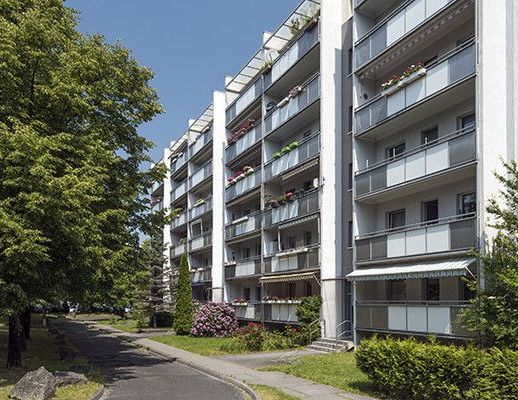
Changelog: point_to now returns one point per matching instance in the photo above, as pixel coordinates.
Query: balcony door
(430, 211)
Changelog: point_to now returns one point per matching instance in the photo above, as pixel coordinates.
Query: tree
(71, 184)
(493, 314)
(183, 314)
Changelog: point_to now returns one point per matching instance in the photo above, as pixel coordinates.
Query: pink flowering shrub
(215, 319)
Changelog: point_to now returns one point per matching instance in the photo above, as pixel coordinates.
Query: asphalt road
(133, 373)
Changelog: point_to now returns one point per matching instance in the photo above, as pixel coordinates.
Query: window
(246, 252)
(394, 151)
(430, 61)
(433, 289)
(196, 228)
(429, 135)
(291, 290)
(257, 293)
(246, 293)
(292, 242)
(350, 234)
(467, 203)
(258, 249)
(350, 122)
(430, 211)
(308, 238)
(396, 219)
(397, 290)
(350, 61)
(308, 289)
(468, 121)
(350, 182)
(308, 185)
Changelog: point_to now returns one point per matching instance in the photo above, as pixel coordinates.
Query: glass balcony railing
(396, 26)
(244, 100)
(242, 186)
(243, 226)
(447, 234)
(294, 259)
(200, 209)
(179, 220)
(252, 310)
(447, 152)
(178, 249)
(281, 312)
(358, 3)
(156, 186)
(200, 241)
(179, 162)
(179, 189)
(244, 143)
(201, 275)
(308, 148)
(293, 54)
(202, 173)
(244, 267)
(304, 205)
(157, 207)
(200, 142)
(310, 92)
(447, 71)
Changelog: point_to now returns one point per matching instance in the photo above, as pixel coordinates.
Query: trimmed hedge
(411, 370)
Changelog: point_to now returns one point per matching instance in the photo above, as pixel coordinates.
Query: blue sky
(190, 45)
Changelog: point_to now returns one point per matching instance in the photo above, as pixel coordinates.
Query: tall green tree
(493, 314)
(71, 184)
(183, 313)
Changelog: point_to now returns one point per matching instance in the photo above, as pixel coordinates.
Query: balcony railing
(243, 226)
(199, 210)
(293, 54)
(310, 92)
(402, 21)
(447, 71)
(439, 317)
(304, 205)
(242, 186)
(244, 100)
(307, 149)
(295, 259)
(179, 220)
(442, 235)
(249, 311)
(178, 249)
(200, 142)
(156, 186)
(244, 267)
(179, 162)
(201, 174)
(448, 152)
(244, 143)
(179, 190)
(200, 241)
(201, 275)
(157, 206)
(280, 312)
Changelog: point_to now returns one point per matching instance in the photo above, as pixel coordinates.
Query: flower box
(290, 252)
(392, 89)
(239, 304)
(229, 263)
(411, 78)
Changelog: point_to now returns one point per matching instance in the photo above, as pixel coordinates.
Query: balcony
(243, 268)
(179, 220)
(242, 186)
(294, 260)
(201, 275)
(158, 206)
(397, 25)
(244, 143)
(244, 100)
(456, 233)
(201, 241)
(178, 249)
(243, 226)
(179, 190)
(293, 54)
(179, 162)
(444, 74)
(281, 312)
(306, 204)
(450, 151)
(309, 94)
(201, 173)
(200, 209)
(250, 311)
(202, 140)
(438, 318)
(307, 149)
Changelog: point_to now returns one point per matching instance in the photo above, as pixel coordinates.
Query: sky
(190, 45)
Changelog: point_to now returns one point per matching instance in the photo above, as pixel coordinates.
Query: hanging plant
(294, 26)
(276, 155)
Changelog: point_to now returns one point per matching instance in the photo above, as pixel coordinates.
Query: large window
(392, 152)
(433, 289)
(467, 203)
(429, 135)
(397, 290)
(396, 219)
(430, 211)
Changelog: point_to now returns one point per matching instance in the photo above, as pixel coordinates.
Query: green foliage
(183, 314)
(164, 319)
(407, 369)
(493, 315)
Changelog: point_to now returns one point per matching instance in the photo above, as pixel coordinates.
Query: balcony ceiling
(375, 8)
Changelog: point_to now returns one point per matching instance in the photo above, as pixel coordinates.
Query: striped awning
(288, 277)
(298, 221)
(426, 269)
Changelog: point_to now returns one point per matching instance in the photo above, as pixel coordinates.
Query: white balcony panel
(397, 318)
(416, 242)
(439, 320)
(280, 264)
(197, 243)
(396, 244)
(432, 6)
(437, 78)
(285, 212)
(416, 91)
(415, 14)
(396, 27)
(245, 268)
(285, 62)
(417, 319)
(284, 312)
(396, 172)
(437, 158)
(416, 165)
(396, 102)
(438, 238)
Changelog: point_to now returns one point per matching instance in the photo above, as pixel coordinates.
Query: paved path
(258, 360)
(134, 374)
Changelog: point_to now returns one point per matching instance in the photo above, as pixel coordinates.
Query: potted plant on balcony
(239, 302)
(247, 170)
(176, 212)
(267, 66)
(294, 92)
(294, 26)
(276, 155)
(293, 145)
(199, 202)
(390, 86)
(285, 150)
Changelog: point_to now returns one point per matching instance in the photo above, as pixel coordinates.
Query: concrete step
(329, 345)
(334, 341)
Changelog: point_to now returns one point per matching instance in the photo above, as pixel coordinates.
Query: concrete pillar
(167, 228)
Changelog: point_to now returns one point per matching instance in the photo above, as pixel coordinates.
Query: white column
(334, 13)
(218, 196)
(167, 227)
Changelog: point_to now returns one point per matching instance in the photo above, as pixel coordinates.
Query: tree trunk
(14, 347)
(26, 322)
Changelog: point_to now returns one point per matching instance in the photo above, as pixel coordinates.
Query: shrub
(308, 311)
(215, 319)
(164, 319)
(252, 336)
(411, 370)
(183, 312)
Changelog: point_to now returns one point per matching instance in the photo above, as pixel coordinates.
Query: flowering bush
(215, 319)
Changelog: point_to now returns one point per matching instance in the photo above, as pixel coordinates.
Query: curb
(99, 394)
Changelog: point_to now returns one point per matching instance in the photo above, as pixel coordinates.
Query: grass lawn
(338, 370)
(270, 393)
(206, 346)
(42, 350)
(126, 325)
